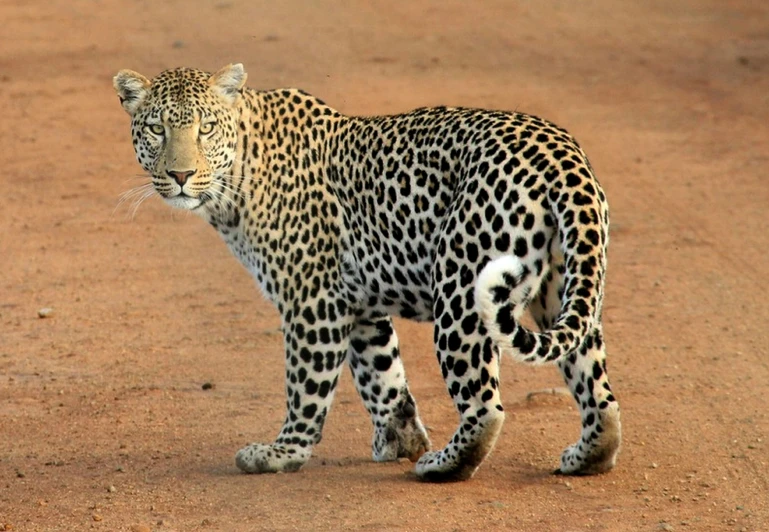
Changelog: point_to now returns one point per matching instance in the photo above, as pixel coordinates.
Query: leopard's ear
(228, 81)
(131, 88)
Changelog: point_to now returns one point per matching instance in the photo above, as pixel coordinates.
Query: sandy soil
(104, 422)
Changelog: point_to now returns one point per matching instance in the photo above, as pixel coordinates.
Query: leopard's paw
(261, 458)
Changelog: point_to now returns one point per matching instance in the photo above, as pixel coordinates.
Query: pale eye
(156, 129)
(207, 128)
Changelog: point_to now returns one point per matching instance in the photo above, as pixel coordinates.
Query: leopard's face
(184, 129)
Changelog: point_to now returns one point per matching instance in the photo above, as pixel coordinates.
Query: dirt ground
(104, 420)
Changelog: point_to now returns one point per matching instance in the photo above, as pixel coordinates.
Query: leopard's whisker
(136, 190)
(131, 194)
(134, 179)
(139, 201)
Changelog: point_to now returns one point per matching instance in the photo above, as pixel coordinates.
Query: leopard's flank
(462, 217)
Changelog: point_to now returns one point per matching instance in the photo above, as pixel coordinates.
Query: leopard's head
(184, 128)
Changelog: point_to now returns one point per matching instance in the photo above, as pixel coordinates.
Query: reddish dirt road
(104, 422)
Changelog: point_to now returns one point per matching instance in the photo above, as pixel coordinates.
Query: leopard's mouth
(184, 201)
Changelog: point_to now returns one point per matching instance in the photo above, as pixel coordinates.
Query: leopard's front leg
(316, 341)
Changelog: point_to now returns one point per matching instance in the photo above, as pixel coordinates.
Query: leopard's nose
(181, 177)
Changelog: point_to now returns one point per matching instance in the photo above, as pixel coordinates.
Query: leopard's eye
(207, 128)
(157, 129)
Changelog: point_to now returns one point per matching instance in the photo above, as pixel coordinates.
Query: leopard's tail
(506, 285)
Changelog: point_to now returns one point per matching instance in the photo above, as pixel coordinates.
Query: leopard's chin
(184, 202)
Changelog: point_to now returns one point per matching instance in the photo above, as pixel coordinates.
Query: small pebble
(112, 489)
(97, 517)
(45, 312)
(140, 528)
(208, 386)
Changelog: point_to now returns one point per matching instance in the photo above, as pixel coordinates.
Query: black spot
(505, 319)
(469, 323)
(382, 362)
(358, 345)
(521, 247)
(523, 341)
(528, 221)
(502, 242)
(597, 370)
(472, 252)
(485, 240)
(455, 343)
(581, 199)
(475, 359)
(308, 412)
(460, 368)
(310, 387)
(529, 153)
(308, 315)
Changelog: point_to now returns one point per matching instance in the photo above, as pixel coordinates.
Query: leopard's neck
(280, 179)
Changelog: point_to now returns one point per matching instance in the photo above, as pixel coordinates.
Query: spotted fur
(462, 217)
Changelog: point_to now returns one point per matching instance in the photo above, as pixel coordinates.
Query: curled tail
(501, 293)
(506, 285)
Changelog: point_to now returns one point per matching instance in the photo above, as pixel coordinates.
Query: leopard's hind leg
(470, 366)
(380, 378)
(584, 372)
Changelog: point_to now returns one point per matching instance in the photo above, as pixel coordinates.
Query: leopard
(467, 218)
